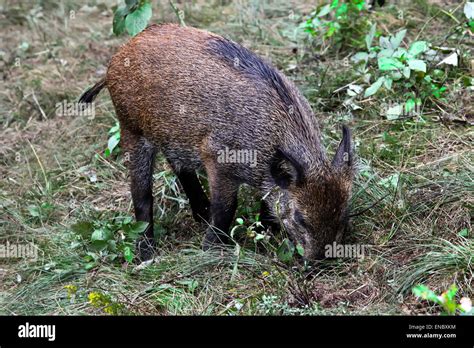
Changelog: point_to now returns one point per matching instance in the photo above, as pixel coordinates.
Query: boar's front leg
(140, 154)
(223, 205)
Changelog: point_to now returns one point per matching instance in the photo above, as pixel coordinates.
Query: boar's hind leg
(198, 200)
(223, 206)
(141, 154)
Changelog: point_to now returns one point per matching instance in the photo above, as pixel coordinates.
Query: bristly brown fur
(190, 94)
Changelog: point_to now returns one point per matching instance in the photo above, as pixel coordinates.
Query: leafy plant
(408, 71)
(447, 300)
(340, 21)
(114, 140)
(108, 239)
(133, 17)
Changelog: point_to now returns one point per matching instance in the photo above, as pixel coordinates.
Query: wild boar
(193, 95)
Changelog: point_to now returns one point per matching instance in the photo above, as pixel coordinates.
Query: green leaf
(396, 40)
(83, 228)
(464, 232)
(406, 72)
(370, 36)
(100, 235)
(113, 142)
(409, 105)
(285, 251)
(425, 293)
(451, 293)
(360, 56)
(418, 47)
(118, 23)
(128, 254)
(388, 83)
(374, 87)
(324, 10)
(136, 21)
(342, 10)
(417, 64)
(300, 249)
(240, 221)
(384, 42)
(131, 4)
(388, 63)
(139, 227)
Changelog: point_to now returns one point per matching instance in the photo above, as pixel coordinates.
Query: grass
(54, 174)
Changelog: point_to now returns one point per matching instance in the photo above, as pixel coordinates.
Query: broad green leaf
(388, 83)
(418, 47)
(334, 3)
(360, 56)
(136, 21)
(370, 36)
(324, 10)
(139, 227)
(396, 40)
(425, 293)
(342, 10)
(118, 23)
(83, 228)
(386, 52)
(374, 88)
(417, 64)
(128, 254)
(400, 53)
(240, 221)
(384, 42)
(131, 4)
(285, 251)
(113, 141)
(451, 293)
(100, 235)
(387, 64)
(409, 105)
(464, 232)
(406, 72)
(300, 249)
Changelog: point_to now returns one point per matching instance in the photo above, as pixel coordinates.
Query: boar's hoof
(146, 249)
(214, 238)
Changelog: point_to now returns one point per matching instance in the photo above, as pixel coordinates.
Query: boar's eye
(299, 218)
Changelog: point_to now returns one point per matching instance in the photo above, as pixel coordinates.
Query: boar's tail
(89, 95)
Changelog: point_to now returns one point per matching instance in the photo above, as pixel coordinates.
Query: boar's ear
(343, 157)
(285, 170)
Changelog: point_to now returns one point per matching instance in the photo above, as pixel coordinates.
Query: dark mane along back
(252, 65)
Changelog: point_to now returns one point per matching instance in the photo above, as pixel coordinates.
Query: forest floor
(57, 185)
